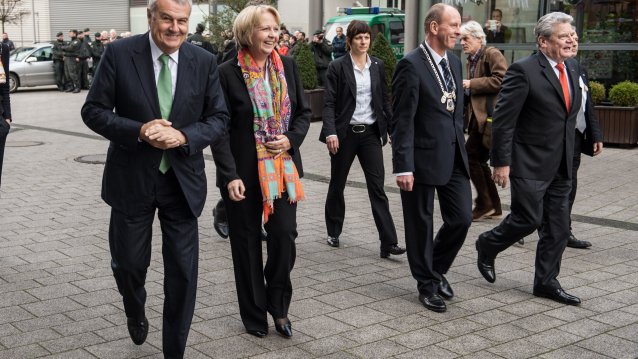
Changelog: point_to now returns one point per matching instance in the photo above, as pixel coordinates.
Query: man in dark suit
(532, 146)
(588, 139)
(428, 154)
(159, 102)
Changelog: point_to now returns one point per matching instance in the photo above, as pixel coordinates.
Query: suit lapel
(184, 71)
(374, 78)
(348, 68)
(573, 79)
(550, 75)
(144, 66)
(428, 66)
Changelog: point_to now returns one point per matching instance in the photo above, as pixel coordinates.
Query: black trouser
(578, 142)
(71, 67)
(4, 131)
(321, 76)
(84, 73)
(58, 69)
(542, 205)
(365, 145)
(480, 173)
(255, 297)
(130, 244)
(428, 257)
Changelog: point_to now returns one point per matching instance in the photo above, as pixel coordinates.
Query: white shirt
(157, 63)
(437, 60)
(363, 111)
(581, 124)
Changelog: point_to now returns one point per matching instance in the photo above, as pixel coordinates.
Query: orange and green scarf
(271, 112)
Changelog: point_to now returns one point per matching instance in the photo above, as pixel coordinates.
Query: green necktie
(165, 95)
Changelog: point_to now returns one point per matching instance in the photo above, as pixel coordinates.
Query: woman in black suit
(259, 166)
(355, 124)
(5, 103)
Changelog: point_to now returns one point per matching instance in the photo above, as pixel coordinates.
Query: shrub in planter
(597, 91)
(306, 63)
(382, 50)
(624, 94)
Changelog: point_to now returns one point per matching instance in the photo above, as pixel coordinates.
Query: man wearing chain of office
(428, 154)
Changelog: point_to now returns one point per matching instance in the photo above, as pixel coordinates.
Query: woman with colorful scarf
(259, 167)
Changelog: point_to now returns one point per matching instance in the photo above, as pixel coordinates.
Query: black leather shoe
(76, 90)
(433, 303)
(138, 330)
(257, 333)
(485, 263)
(558, 295)
(445, 290)
(572, 242)
(333, 241)
(220, 224)
(395, 250)
(284, 329)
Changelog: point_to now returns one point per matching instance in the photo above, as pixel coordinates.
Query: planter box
(314, 99)
(619, 124)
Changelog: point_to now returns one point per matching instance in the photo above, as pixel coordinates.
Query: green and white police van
(388, 21)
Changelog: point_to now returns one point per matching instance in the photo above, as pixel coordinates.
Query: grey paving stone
(321, 326)
(504, 333)
(431, 351)
(518, 349)
(629, 332)
(233, 347)
(328, 345)
(370, 334)
(123, 348)
(610, 345)
(344, 299)
(554, 338)
(466, 344)
(291, 353)
(360, 316)
(55, 291)
(308, 308)
(616, 318)
(457, 327)
(380, 349)
(13, 314)
(73, 354)
(572, 352)
(33, 337)
(72, 342)
(26, 352)
(420, 338)
(586, 327)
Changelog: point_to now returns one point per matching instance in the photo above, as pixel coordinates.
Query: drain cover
(92, 159)
(23, 143)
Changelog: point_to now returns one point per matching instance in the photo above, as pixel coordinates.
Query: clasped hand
(160, 134)
(279, 145)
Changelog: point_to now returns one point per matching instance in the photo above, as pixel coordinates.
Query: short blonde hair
(474, 29)
(247, 20)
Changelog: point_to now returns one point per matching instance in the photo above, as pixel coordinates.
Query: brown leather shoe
(478, 214)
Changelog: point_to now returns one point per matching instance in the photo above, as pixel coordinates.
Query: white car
(31, 65)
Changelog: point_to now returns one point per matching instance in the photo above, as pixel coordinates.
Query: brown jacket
(485, 84)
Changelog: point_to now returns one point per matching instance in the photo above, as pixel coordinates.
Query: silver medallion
(443, 98)
(450, 105)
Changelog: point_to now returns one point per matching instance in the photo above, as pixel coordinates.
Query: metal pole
(33, 13)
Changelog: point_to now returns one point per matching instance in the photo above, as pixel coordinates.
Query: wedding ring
(280, 150)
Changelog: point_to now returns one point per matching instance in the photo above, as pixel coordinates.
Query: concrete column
(316, 19)
(412, 11)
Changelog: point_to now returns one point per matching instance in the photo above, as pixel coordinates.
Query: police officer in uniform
(84, 55)
(198, 39)
(58, 60)
(97, 49)
(72, 61)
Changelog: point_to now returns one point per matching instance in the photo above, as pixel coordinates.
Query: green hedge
(306, 63)
(382, 50)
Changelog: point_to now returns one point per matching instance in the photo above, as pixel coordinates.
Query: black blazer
(593, 133)
(123, 97)
(5, 102)
(531, 127)
(236, 156)
(423, 131)
(340, 98)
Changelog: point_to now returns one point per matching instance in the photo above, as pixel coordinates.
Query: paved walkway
(58, 298)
